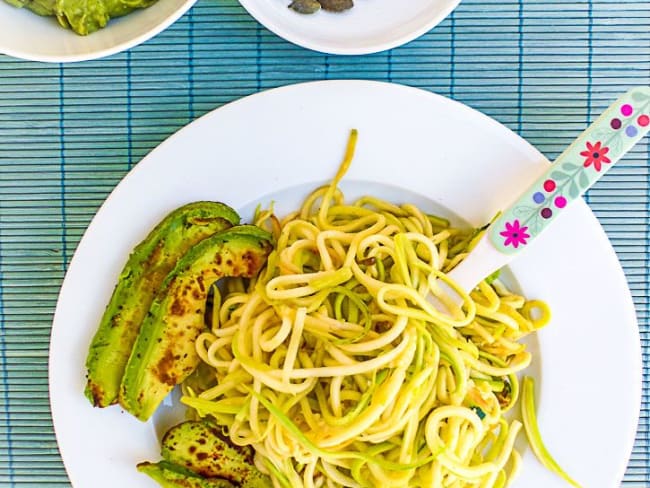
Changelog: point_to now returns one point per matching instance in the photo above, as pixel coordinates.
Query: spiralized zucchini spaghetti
(337, 366)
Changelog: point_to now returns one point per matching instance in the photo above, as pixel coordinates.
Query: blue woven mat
(545, 68)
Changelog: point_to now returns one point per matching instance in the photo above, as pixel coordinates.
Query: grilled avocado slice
(164, 353)
(199, 446)
(147, 266)
(169, 475)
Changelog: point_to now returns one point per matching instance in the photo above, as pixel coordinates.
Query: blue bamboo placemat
(544, 68)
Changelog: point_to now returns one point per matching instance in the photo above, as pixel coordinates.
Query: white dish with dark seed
(349, 26)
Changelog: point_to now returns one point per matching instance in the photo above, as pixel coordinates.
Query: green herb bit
(478, 411)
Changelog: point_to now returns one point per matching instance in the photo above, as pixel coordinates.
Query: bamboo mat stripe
(69, 133)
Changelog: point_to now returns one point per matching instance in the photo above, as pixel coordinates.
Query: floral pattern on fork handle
(590, 156)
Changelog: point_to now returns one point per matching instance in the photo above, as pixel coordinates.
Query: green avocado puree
(82, 16)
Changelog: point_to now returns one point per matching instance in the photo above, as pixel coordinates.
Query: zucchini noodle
(336, 367)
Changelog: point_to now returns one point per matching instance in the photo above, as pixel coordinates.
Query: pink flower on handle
(515, 234)
(595, 154)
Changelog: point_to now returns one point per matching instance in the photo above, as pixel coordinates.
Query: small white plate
(25, 35)
(413, 146)
(368, 27)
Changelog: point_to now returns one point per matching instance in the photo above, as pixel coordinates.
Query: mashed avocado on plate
(82, 16)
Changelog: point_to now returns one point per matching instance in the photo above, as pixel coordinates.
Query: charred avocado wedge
(168, 475)
(196, 451)
(164, 353)
(147, 266)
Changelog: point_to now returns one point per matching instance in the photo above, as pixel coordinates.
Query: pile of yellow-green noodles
(337, 369)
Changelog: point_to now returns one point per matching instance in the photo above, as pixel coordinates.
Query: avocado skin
(168, 475)
(164, 353)
(147, 266)
(200, 447)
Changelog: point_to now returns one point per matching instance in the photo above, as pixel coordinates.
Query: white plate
(412, 145)
(26, 35)
(370, 26)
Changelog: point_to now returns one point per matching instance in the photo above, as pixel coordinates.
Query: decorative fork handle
(590, 156)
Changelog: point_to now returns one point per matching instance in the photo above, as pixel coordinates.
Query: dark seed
(336, 5)
(305, 6)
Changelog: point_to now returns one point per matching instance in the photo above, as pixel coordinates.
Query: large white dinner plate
(413, 145)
